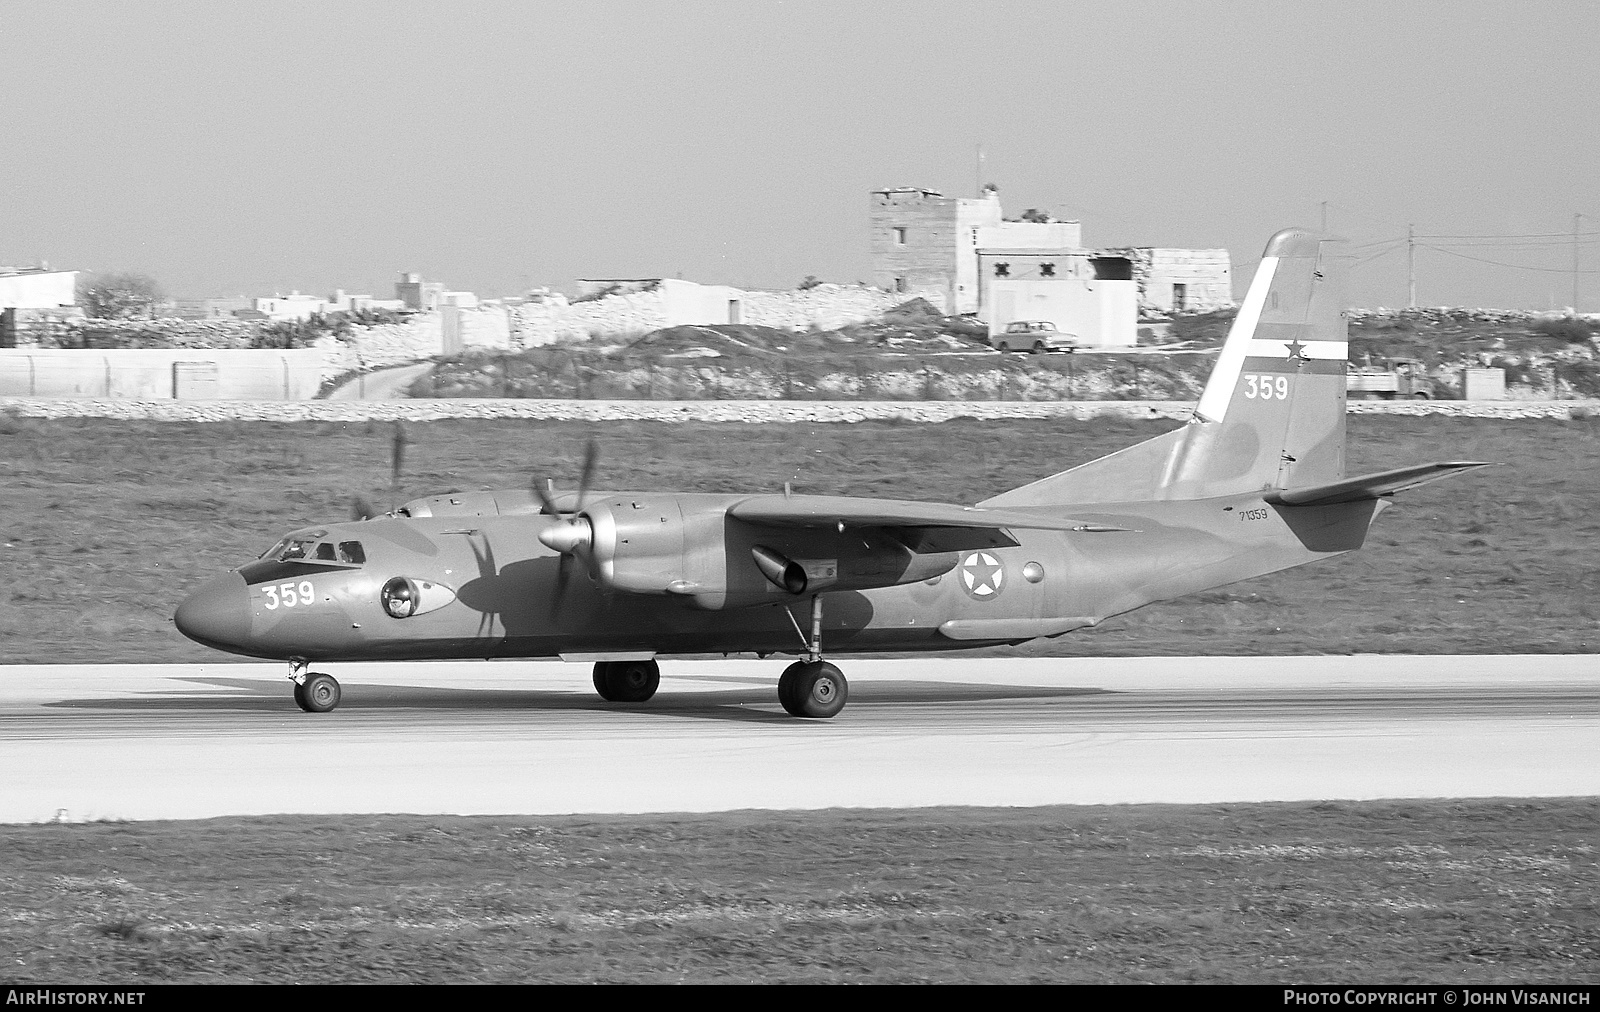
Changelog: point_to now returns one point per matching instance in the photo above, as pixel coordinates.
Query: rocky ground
(913, 353)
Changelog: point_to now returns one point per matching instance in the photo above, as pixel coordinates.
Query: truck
(1387, 379)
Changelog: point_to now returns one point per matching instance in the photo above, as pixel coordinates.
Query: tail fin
(1272, 413)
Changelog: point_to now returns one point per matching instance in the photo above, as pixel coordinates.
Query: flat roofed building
(38, 289)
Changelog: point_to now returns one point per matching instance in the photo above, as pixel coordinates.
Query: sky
(229, 149)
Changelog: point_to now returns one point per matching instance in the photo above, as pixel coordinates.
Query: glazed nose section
(218, 614)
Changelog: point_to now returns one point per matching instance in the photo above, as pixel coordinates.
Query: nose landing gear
(314, 692)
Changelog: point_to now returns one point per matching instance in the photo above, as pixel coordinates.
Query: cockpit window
(308, 546)
(299, 546)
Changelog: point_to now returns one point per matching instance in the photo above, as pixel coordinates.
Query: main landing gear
(812, 687)
(626, 681)
(314, 692)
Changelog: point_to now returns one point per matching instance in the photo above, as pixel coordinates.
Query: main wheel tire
(786, 682)
(300, 697)
(813, 689)
(319, 693)
(626, 681)
(602, 682)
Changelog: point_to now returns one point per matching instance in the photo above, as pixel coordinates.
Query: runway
(195, 741)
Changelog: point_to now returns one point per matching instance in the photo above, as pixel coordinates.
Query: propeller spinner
(573, 535)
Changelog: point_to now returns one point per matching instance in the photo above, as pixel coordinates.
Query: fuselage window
(325, 552)
(351, 551)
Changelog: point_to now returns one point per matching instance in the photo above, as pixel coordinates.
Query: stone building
(417, 294)
(948, 249)
(924, 244)
(1180, 280)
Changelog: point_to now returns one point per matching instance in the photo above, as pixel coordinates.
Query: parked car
(1037, 336)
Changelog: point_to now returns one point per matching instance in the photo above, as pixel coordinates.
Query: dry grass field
(104, 526)
(1383, 892)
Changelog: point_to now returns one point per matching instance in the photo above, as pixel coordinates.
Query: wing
(925, 527)
(1371, 486)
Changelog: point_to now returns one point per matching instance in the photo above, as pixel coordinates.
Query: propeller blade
(563, 574)
(591, 454)
(397, 454)
(361, 509)
(543, 495)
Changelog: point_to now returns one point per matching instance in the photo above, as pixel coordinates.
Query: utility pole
(1324, 217)
(1411, 261)
(1576, 218)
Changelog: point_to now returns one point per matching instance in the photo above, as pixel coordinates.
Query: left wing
(928, 527)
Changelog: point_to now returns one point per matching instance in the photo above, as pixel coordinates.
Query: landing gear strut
(626, 681)
(812, 687)
(314, 692)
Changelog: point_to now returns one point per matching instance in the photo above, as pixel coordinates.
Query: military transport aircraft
(1253, 484)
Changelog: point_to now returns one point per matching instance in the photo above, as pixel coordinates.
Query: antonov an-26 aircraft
(1253, 484)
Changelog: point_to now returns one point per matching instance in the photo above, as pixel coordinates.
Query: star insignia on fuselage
(1297, 351)
(982, 575)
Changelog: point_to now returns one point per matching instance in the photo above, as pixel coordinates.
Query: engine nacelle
(685, 544)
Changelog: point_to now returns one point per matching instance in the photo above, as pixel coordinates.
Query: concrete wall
(161, 374)
(685, 303)
(38, 289)
(675, 303)
(1103, 314)
(289, 307)
(461, 328)
(1026, 265)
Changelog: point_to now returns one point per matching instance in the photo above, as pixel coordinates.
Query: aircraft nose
(217, 614)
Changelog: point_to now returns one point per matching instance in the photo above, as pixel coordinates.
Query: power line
(1378, 242)
(1531, 244)
(1510, 235)
(1374, 256)
(1500, 263)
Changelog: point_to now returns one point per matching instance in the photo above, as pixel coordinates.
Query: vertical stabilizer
(1272, 413)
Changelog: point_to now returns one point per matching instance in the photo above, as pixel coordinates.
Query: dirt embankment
(913, 353)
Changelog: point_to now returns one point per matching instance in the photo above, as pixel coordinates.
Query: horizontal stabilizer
(1371, 486)
(851, 511)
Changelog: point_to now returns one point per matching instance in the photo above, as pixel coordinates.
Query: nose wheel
(314, 692)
